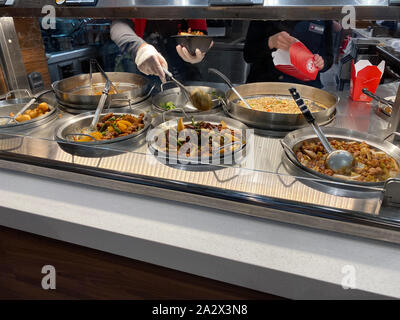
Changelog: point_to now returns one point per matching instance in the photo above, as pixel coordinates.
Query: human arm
(123, 34)
(147, 58)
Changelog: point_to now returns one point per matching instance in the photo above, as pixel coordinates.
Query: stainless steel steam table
(264, 185)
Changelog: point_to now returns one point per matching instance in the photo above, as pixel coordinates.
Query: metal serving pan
(76, 92)
(14, 106)
(173, 95)
(293, 140)
(279, 121)
(384, 111)
(64, 136)
(236, 157)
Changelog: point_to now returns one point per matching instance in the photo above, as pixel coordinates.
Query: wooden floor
(84, 273)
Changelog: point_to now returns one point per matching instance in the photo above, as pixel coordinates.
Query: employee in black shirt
(263, 37)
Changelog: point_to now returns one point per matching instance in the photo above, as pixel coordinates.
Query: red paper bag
(298, 62)
(365, 75)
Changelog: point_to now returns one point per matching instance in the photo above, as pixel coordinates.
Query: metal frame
(10, 56)
(176, 9)
(394, 123)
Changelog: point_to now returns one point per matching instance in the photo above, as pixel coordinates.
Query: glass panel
(263, 175)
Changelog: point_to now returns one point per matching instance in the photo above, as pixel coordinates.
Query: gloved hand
(150, 61)
(186, 56)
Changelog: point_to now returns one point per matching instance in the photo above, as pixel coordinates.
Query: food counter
(277, 258)
(265, 184)
(261, 222)
(194, 233)
(68, 198)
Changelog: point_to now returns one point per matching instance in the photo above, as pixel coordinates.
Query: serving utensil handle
(310, 119)
(169, 74)
(229, 83)
(302, 106)
(96, 63)
(221, 75)
(29, 104)
(392, 134)
(179, 84)
(375, 97)
(100, 106)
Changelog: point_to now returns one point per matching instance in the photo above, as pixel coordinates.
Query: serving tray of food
(114, 130)
(200, 140)
(37, 115)
(272, 108)
(377, 160)
(83, 92)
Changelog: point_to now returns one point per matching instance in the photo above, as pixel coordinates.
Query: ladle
(200, 100)
(340, 161)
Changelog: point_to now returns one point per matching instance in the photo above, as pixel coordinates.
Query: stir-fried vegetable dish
(200, 139)
(113, 126)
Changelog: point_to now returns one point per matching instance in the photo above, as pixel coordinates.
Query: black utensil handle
(300, 103)
(370, 94)
(377, 98)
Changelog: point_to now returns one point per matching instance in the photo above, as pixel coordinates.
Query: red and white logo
(310, 65)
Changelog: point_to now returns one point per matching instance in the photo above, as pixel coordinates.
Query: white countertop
(277, 258)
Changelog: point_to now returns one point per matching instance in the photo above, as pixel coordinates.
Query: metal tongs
(388, 103)
(28, 105)
(104, 96)
(94, 62)
(100, 106)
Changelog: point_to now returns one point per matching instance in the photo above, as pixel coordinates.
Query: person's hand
(281, 40)
(186, 56)
(319, 61)
(150, 61)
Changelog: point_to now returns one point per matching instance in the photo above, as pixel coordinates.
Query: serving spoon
(200, 100)
(338, 161)
(229, 83)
